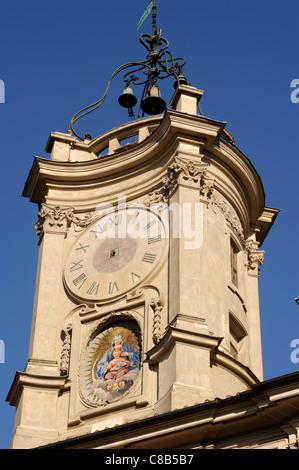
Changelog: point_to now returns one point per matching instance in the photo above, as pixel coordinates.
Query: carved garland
(157, 334)
(66, 351)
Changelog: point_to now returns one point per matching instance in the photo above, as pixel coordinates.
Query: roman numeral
(94, 288)
(133, 220)
(153, 222)
(154, 239)
(112, 286)
(98, 229)
(79, 281)
(81, 247)
(76, 266)
(133, 275)
(149, 258)
(116, 220)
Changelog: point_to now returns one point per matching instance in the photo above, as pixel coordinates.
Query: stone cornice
(141, 157)
(174, 335)
(227, 362)
(139, 169)
(23, 379)
(255, 410)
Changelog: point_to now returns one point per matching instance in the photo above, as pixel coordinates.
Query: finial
(154, 16)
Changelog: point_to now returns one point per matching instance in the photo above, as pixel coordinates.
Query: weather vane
(159, 64)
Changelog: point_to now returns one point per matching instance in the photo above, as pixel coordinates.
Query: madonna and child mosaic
(112, 363)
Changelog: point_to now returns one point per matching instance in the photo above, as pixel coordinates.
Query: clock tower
(147, 281)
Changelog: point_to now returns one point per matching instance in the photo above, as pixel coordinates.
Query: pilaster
(183, 357)
(255, 258)
(52, 226)
(35, 425)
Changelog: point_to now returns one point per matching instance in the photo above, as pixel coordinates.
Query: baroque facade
(150, 341)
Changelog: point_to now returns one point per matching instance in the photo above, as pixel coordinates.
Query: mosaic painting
(112, 363)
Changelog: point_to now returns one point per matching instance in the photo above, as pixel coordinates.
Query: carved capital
(254, 255)
(59, 219)
(182, 172)
(169, 185)
(196, 175)
(53, 219)
(192, 173)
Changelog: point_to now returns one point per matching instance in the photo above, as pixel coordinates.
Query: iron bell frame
(158, 65)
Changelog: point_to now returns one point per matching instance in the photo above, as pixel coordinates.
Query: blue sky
(57, 57)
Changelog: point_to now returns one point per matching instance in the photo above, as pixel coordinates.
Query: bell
(127, 99)
(153, 103)
(181, 81)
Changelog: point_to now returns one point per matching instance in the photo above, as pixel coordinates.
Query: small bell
(181, 81)
(127, 99)
(153, 103)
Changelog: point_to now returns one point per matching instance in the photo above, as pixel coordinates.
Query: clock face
(116, 254)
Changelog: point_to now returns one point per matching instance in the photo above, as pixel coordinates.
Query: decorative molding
(59, 219)
(111, 318)
(237, 368)
(235, 291)
(181, 319)
(174, 335)
(37, 381)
